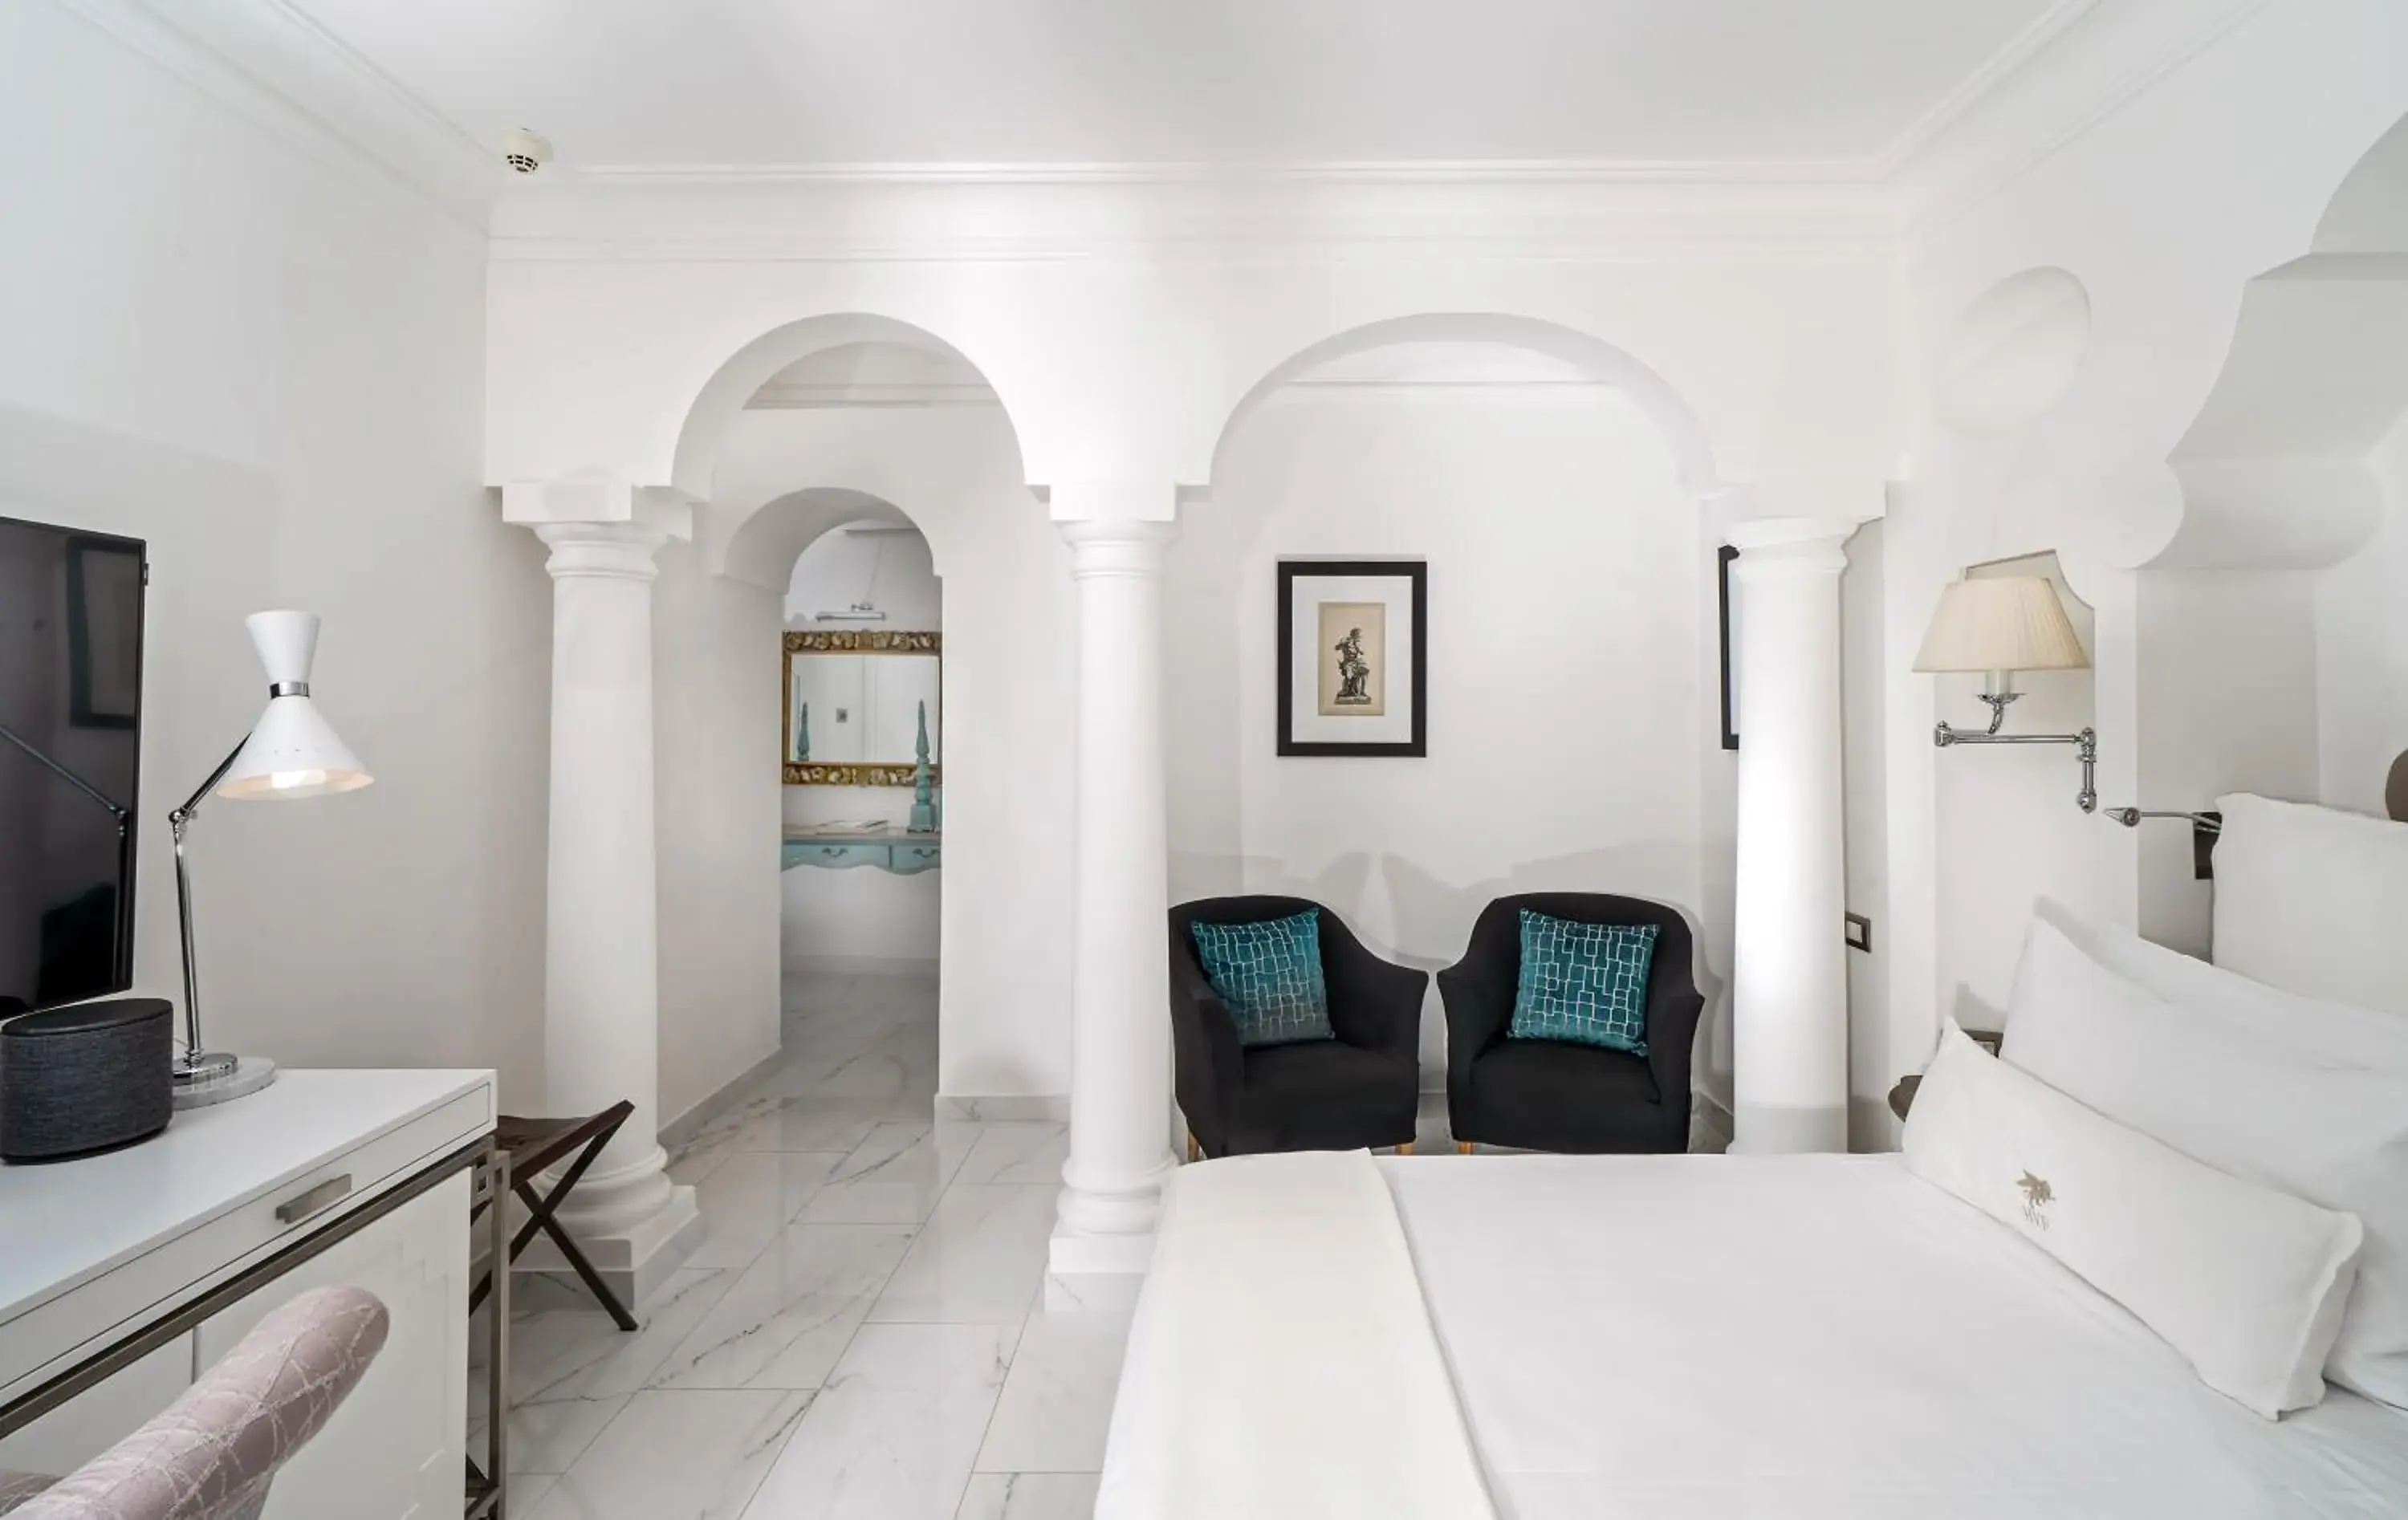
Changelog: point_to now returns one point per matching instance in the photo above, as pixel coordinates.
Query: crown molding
(1735, 173)
(2008, 131)
(2022, 49)
(279, 70)
(278, 67)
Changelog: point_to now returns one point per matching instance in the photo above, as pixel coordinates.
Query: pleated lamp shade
(292, 752)
(2000, 623)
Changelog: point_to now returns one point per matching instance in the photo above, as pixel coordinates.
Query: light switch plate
(1860, 933)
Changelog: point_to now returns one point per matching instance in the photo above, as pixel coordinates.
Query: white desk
(180, 1244)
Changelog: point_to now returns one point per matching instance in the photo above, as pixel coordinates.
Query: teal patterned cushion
(1583, 982)
(1269, 975)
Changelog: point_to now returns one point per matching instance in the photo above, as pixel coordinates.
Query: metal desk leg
(490, 1191)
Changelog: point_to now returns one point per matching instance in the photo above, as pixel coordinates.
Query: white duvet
(1684, 1338)
(1828, 1337)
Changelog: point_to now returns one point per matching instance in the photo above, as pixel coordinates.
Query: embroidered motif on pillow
(1586, 982)
(1268, 976)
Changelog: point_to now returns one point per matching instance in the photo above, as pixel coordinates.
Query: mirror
(853, 707)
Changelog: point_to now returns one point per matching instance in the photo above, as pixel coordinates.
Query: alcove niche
(2013, 354)
(2271, 648)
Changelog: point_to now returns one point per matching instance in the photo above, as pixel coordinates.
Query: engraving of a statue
(1353, 671)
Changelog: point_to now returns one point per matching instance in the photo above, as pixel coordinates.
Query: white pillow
(2245, 1283)
(2335, 1033)
(2313, 900)
(2332, 1135)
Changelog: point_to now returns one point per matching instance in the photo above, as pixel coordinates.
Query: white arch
(761, 549)
(2273, 469)
(1683, 435)
(745, 371)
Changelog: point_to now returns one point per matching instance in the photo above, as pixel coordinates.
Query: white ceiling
(658, 84)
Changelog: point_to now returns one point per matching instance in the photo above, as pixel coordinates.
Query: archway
(2277, 578)
(1547, 479)
(858, 422)
(1602, 362)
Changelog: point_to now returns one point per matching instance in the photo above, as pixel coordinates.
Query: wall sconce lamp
(2001, 624)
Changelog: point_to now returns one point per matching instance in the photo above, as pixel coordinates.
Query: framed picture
(1353, 657)
(1730, 645)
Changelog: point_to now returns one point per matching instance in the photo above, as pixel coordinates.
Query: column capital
(1789, 545)
(598, 498)
(1111, 500)
(1116, 546)
(610, 551)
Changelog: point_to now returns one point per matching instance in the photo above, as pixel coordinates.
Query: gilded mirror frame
(850, 641)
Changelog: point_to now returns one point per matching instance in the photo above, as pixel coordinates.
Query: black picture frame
(1723, 558)
(1415, 571)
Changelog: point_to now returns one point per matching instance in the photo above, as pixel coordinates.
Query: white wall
(860, 916)
(715, 717)
(892, 571)
(271, 371)
(2173, 193)
(1568, 724)
(1009, 608)
(1864, 765)
(2361, 633)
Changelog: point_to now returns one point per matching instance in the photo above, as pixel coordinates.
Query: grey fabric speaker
(89, 1078)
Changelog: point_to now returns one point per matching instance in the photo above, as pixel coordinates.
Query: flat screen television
(70, 753)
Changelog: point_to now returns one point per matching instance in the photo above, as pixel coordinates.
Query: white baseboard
(686, 1126)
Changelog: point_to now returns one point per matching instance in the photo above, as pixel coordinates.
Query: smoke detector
(526, 151)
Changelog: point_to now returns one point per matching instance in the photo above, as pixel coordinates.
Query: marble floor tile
(527, 1490)
(894, 1176)
(550, 1436)
(893, 1435)
(979, 1259)
(1028, 1496)
(898, 1076)
(1057, 1404)
(572, 1354)
(1019, 1155)
(836, 1124)
(750, 1198)
(788, 1316)
(698, 1453)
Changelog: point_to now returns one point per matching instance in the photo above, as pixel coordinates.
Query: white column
(1120, 1015)
(1789, 980)
(601, 944)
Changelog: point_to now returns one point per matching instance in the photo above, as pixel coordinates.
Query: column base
(1075, 1254)
(1107, 1229)
(633, 1259)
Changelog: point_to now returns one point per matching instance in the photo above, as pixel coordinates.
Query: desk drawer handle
(294, 1210)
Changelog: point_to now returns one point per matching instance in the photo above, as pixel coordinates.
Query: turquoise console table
(895, 850)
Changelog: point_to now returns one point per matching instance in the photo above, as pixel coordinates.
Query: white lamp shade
(2000, 623)
(293, 751)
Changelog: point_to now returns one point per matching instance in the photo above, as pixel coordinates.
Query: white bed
(1774, 1338)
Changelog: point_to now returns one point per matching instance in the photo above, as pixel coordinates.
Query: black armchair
(1360, 1089)
(1553, 1095)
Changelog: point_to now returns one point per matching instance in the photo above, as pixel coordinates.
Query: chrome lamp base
(217, 1078)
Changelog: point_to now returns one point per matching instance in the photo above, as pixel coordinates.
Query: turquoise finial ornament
(802, 731)
(924, 812)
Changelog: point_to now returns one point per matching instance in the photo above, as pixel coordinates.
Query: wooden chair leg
(1462, 1147)
(1406, 1149)
(1195, 1152)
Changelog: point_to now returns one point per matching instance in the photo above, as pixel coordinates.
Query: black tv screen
(70, 748)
